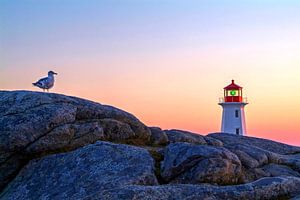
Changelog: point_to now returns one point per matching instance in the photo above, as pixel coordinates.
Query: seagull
(47, 82)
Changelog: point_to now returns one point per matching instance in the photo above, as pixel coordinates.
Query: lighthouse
(233, 103)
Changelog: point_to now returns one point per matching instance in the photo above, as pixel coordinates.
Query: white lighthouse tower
(233, 103)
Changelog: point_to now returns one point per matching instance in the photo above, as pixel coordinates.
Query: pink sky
(166, 62)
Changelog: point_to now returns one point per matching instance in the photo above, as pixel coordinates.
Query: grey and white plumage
(47, 82)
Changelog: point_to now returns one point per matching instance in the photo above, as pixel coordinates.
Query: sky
(165, 61)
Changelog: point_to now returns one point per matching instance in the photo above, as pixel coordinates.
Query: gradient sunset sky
(165, 61)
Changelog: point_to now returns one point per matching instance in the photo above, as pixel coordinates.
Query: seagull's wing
(42, 83)
(43, 80)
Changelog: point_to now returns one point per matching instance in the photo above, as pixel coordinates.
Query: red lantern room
(233, 93)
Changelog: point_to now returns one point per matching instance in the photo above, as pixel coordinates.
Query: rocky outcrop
(189, 163)
(272, 170)
(34, 124)
(52, 147)
(272, 146)
(266, 188)
(77, 174)
(259, 157)
(158, 136)
(186, 136)
(115, 171)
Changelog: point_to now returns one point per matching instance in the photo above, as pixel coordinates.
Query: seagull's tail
(34, 84)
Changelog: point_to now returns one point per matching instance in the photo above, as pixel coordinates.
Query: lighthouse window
(237, 131)
(236, 113)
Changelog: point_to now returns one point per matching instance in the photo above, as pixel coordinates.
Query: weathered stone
(34, 124)
(268, 145)
(254, 160)
(158, 136)
(212, 141)
(266, 188)
(117, 131)
(290, 161)
(184, 136)
(189, 163)
(251, 157)
(194, 138)
(66, 137)
(77, 174)
(279, 170)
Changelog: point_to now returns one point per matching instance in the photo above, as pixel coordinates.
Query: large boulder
(190, 163)
(33, 124)
(175, 135)
(265, 188)
(158, 136)
(80, 173)
(250, 156)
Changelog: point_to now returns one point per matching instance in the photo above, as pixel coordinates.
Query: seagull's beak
(55, 73)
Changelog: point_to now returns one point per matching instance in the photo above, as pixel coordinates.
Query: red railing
(231, 99)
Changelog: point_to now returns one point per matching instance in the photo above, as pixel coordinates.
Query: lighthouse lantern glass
(233, 93)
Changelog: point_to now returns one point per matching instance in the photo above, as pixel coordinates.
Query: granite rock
(190, 163)
(34, 124)
(79, 173)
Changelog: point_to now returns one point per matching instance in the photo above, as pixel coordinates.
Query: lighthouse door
(237, 131)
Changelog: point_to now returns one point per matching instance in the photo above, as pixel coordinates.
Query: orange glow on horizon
(165, 62)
